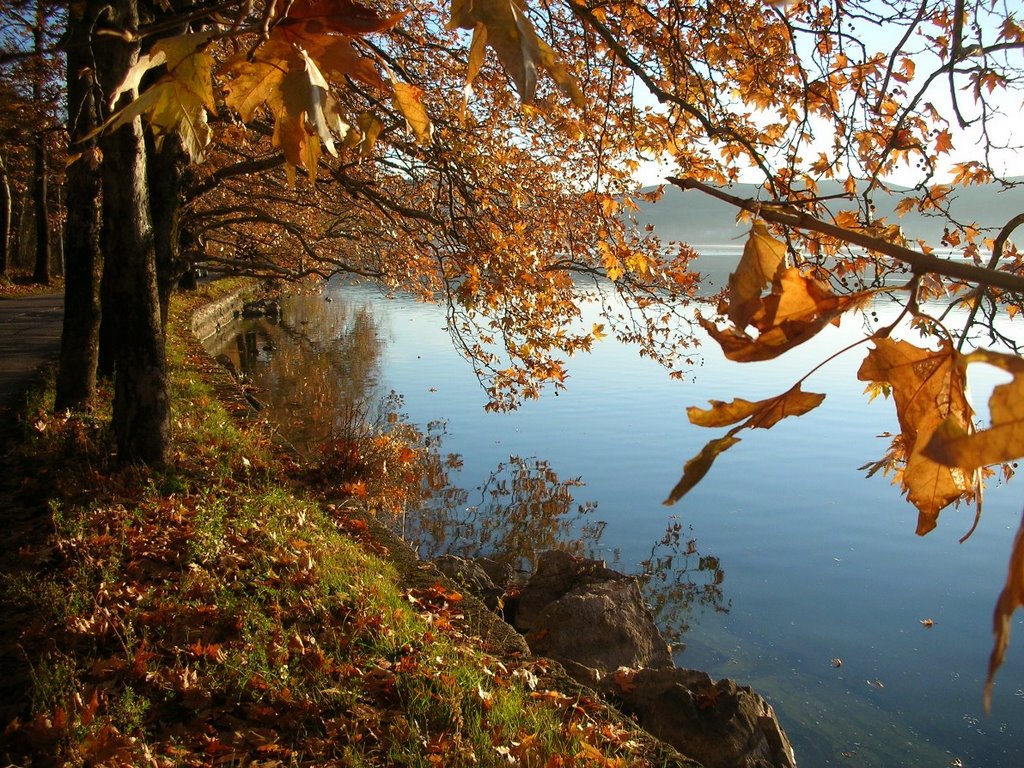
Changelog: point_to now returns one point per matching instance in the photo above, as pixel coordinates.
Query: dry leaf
(1011, 598)
(928, 387)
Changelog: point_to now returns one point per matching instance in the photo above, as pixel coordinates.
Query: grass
(214, 613)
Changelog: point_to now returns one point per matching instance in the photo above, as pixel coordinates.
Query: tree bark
(141, 417)
(40, 193)
(79, 343)
(6, 212)
(40, 186)
(166, 168)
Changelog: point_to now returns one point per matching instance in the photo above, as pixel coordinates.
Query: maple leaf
(762, 414)
(796, 310)
(1010, 598)
(318, 17)
(954, 446)
(409, 101)
(763, 258)
(928, 387)
(180, 98)
(287, 80)
(504, 26)
(944, 142)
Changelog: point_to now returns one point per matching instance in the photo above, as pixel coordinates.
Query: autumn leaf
(409, 101)
(180, 98)
(763, 414)
(763, 258)
(504, 26)
(928, 387)
(796, 310)
(954, 446)
(1011, 598)
(312, 18)
(695, 469)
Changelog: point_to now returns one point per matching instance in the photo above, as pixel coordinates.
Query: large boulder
(578, 610)
(720, 724)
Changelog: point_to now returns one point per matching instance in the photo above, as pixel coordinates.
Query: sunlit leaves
(795, 310)
(763, 258)
(180, 98)
(505, 27)
(928, 387)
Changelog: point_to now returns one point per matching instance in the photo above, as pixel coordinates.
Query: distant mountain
(701, 220)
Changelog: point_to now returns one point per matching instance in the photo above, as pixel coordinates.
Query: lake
(807, 581)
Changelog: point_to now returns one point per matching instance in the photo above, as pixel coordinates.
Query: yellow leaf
(598, 331)
(503, 25)
(251, 83)
(1009, 600)
(695, 469)
(371, 127)
(797, 309)
(408, 99)
(179, 100)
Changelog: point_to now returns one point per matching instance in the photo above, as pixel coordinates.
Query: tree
(504, 208)
(30, 132)
(79, 346)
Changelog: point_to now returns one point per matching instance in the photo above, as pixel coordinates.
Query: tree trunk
(166, 169)
(141, 404)
(40, 190)
(40, 193)
(5, 219)
(79, 343)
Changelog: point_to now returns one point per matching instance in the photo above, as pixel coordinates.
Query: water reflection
(316, 370)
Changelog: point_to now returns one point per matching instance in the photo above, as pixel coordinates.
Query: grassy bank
(214, 612)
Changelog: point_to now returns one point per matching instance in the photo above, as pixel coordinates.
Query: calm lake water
(814, 562)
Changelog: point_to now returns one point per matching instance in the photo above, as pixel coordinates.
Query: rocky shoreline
(594, 622)
(589, 619)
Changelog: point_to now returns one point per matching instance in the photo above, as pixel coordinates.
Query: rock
(262, 308)
(581, 611)
(471, 576)
(466, 573)
(722, 725)
(595, 623)
(557, 573)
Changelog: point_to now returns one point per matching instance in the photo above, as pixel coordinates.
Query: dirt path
(29, 338)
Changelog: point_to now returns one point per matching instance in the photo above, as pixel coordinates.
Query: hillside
(700, 220)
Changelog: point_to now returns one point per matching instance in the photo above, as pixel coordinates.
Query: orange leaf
(1009, 600)
(928, 386)
(762, 413)
(954, 446)
(763, 258)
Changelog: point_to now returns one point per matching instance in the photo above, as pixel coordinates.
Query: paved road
(29, 337)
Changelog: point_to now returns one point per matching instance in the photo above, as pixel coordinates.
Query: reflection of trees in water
(522, 509)
(677, 579)
(318, 373)
(318, 370)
